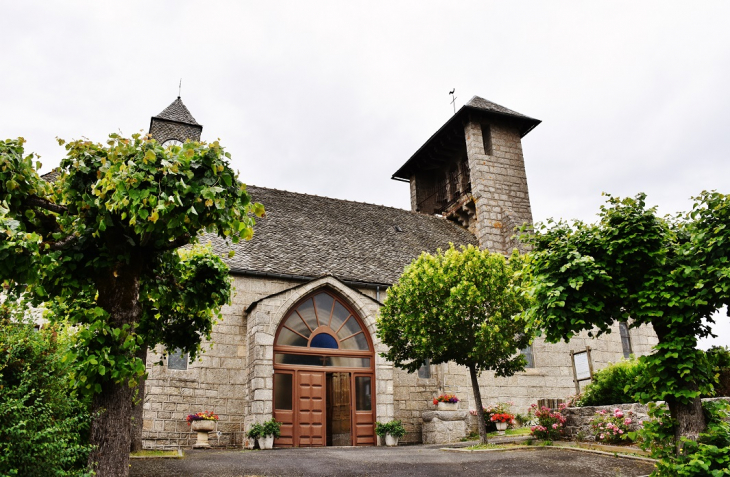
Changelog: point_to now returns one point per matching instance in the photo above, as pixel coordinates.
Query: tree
(99, 248)
(634, 267)
(460, 305)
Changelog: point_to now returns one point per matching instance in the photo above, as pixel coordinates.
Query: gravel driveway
(398, 461)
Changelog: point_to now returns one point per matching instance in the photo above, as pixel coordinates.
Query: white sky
(330, 98)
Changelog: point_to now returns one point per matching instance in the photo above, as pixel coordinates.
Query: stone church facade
(298, 341)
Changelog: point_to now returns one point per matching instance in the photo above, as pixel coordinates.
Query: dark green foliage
(44, 426)
(708, 456)
(272, 427)
(614, 384)
(635, 267)
(719, 358)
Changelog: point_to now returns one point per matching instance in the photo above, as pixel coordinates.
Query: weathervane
(179, 88)
(453, 101)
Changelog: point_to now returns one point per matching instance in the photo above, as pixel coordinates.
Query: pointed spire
(178, 112)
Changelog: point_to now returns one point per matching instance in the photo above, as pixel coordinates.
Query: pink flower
(620, 431)
(627, 421)
(555, 426)
(601, 436)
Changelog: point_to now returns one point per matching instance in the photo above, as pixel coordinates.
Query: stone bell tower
(175, 125)
(472, 171)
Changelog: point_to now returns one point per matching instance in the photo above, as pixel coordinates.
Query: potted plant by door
(256, 432)
(202, 423)
(270, 429)
(391, 431)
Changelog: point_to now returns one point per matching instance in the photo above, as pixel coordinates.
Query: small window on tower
(424, 372)
(487, 139)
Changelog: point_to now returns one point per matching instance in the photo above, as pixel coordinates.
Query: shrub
(255, 431)
(272, 427)
(612, 427)
(719, 359)
(550, 424)
(491, 410)
(394, 428)
(709, 456)
(45, 426)
(614, 384)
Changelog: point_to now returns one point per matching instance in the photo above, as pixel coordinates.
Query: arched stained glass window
(322, 321)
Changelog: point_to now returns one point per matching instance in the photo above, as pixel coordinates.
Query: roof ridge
(420, 214)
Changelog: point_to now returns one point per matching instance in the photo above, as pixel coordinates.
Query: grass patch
(154, 453)
(520, 431)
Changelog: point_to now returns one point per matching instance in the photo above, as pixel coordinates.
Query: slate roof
(310, 236)
(475, 107)
(52, 176)
(178, 112)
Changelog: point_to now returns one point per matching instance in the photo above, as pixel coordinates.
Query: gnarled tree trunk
(478, 401)
(111, 428)
(690, 420)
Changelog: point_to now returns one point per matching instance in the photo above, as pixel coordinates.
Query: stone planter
(501, 427)
(266, 442)
(203, 428)
(391, 441)
(445, 427)
(448, 406)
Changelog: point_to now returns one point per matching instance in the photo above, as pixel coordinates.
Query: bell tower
(175, 125)
(472, 171)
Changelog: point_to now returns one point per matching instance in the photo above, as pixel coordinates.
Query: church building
(298, 343)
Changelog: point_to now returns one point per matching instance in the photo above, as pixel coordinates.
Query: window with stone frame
(176, 359)
(625, 339)
(529, 356)
(424, 372)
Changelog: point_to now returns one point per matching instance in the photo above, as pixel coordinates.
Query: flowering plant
(446, 398)
(492, 409)
(549, 423)
(503, 417)
(612, 426)
(201, 416)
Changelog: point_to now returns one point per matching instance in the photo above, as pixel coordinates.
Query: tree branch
(63, 243)
(34, 201)
(178, 242)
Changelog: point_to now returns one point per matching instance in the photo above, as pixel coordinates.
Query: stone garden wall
(578, 419)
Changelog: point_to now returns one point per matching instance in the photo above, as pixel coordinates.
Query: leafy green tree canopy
(99, 246)
(459, 305)
(635, 267)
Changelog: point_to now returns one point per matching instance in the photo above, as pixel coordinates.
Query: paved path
(381, 461)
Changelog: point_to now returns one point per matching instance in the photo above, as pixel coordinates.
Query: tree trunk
(118, 290)
(478, 401)
(690, 421)
(138, 409)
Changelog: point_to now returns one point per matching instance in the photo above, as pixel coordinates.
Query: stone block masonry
(498, 184)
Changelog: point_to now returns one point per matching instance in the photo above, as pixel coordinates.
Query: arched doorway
(324, 375)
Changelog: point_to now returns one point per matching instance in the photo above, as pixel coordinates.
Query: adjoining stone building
(298, 342)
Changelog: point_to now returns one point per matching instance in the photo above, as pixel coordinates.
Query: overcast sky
(330, 98)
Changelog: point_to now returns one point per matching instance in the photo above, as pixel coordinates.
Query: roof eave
(529, 125)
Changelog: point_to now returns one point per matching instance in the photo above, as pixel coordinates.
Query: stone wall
(552, 377)
(578, 419)
(498, 184)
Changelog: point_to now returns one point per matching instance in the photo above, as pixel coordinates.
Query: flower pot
(448, 406)
(203, 428)
(501, 426)
(391, 441)
(266, 442)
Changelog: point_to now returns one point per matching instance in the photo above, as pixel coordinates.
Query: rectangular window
(625, 339)
(315, 360)
(176, 359)
(363, 393)
(487, 139)
(527, 353)
(283, 391)
(424, 371)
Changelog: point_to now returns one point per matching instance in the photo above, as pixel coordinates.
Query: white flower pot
(266, 442)
(448, 406)
(391, 441)
(501, 426)
(203, 428)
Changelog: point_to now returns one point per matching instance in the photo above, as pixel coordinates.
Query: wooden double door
(324, 408)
